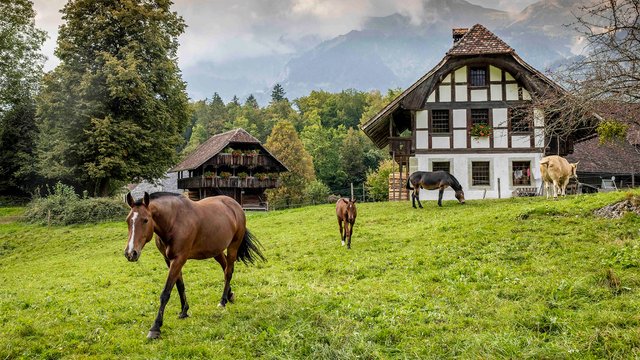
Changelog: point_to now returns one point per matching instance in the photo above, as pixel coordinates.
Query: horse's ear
(128, 199)
(145, 200)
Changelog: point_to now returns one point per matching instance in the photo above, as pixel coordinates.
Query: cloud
(224, 30)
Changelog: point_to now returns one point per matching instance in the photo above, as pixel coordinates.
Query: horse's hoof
(183, 316)
(343, 243)
(221, 305)
(153, 334)
(232, 298)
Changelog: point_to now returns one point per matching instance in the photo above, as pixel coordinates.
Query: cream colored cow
(557, 170)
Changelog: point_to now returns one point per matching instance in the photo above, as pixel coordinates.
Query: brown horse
(189, 230)
(346, 212)
(431, 181)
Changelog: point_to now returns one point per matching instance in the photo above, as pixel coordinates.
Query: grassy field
(513, 278)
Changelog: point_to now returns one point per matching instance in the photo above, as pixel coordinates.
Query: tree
(352, 156)
(378, 181)
(284, 143)
(115, 107)
(20, 73)
(277, 94)
(324, 144)
(608, 73)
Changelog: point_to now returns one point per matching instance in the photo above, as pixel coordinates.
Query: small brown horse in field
(189, 230)
(346, 212)
(433, 180)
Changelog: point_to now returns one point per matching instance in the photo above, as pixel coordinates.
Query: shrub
(62, 206)
(317, 192)
(378, 181)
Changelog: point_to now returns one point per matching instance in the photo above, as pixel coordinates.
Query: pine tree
(115, 108)
(277, 94)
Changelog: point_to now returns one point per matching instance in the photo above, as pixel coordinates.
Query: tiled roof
(615, 158)
(478, 40)
(212, 147)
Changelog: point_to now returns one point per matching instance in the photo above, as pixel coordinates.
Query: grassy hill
(513, 278)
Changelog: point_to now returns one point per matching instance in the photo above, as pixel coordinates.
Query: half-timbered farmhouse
(233, 163)
(472, 115)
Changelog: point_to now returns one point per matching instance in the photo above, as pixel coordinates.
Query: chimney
(458, 33)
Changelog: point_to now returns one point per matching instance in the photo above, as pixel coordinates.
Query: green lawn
(513, 278)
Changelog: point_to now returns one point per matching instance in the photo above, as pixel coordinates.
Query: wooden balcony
(230, 182)
(249, 161)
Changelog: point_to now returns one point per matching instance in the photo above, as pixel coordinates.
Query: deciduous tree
(115, 107)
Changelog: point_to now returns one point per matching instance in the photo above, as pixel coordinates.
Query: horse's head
(140, 223)
(351, 210)
(460, 196)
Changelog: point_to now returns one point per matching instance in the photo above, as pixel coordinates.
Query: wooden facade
(233, 163)
(472, 114)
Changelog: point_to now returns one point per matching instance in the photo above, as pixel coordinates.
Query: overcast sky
(223, 30)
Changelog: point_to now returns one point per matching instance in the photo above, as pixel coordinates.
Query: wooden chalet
(233, 163)
(472, 115)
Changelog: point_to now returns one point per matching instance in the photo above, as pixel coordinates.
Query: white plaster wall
(422, 119)
(460, 118)
(525, 95)
(461, 75)
(480, 142)
(512, 91)
(539, 137)
(520, 141)
(440, 142)
(461, 92)
(508, 76)
(495, 73)
(460, 139)
(538, 118)
(432, 97)
(445, 93)
(479, 95)
(500, 117)
(496, 92)
(422, 139)
(500, 138)
(447, 79)
(461, 169)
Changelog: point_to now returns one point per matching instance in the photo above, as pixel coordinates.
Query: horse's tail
(250, 249)
(409, 184)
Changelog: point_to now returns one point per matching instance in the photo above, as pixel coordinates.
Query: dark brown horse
(431, 181)
(189, 230)
(346, 212)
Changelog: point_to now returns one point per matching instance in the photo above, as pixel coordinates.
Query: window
(440, 165)
(479, 116)
(477, 76)
(521, 174)
(520, 120)
(480, 173)
(440, 121)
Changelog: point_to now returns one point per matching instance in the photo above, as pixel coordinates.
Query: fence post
(499, 196)
(351, 191)
(363, 195)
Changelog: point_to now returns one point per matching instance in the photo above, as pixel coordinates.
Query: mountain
(395, 50)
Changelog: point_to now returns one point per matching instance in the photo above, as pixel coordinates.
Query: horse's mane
(157, 195)
(454, 183)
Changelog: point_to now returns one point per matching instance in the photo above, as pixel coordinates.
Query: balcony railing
(230, 182)
(247, 160)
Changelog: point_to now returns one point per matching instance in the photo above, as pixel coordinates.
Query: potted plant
(480, 130)
(243, 175)
(262, 176)
(208, 174)
(225, 174)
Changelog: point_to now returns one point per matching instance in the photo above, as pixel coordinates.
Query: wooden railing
(241, 160)
(230, 182)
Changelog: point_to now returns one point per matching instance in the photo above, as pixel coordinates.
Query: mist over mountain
(392, 51)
